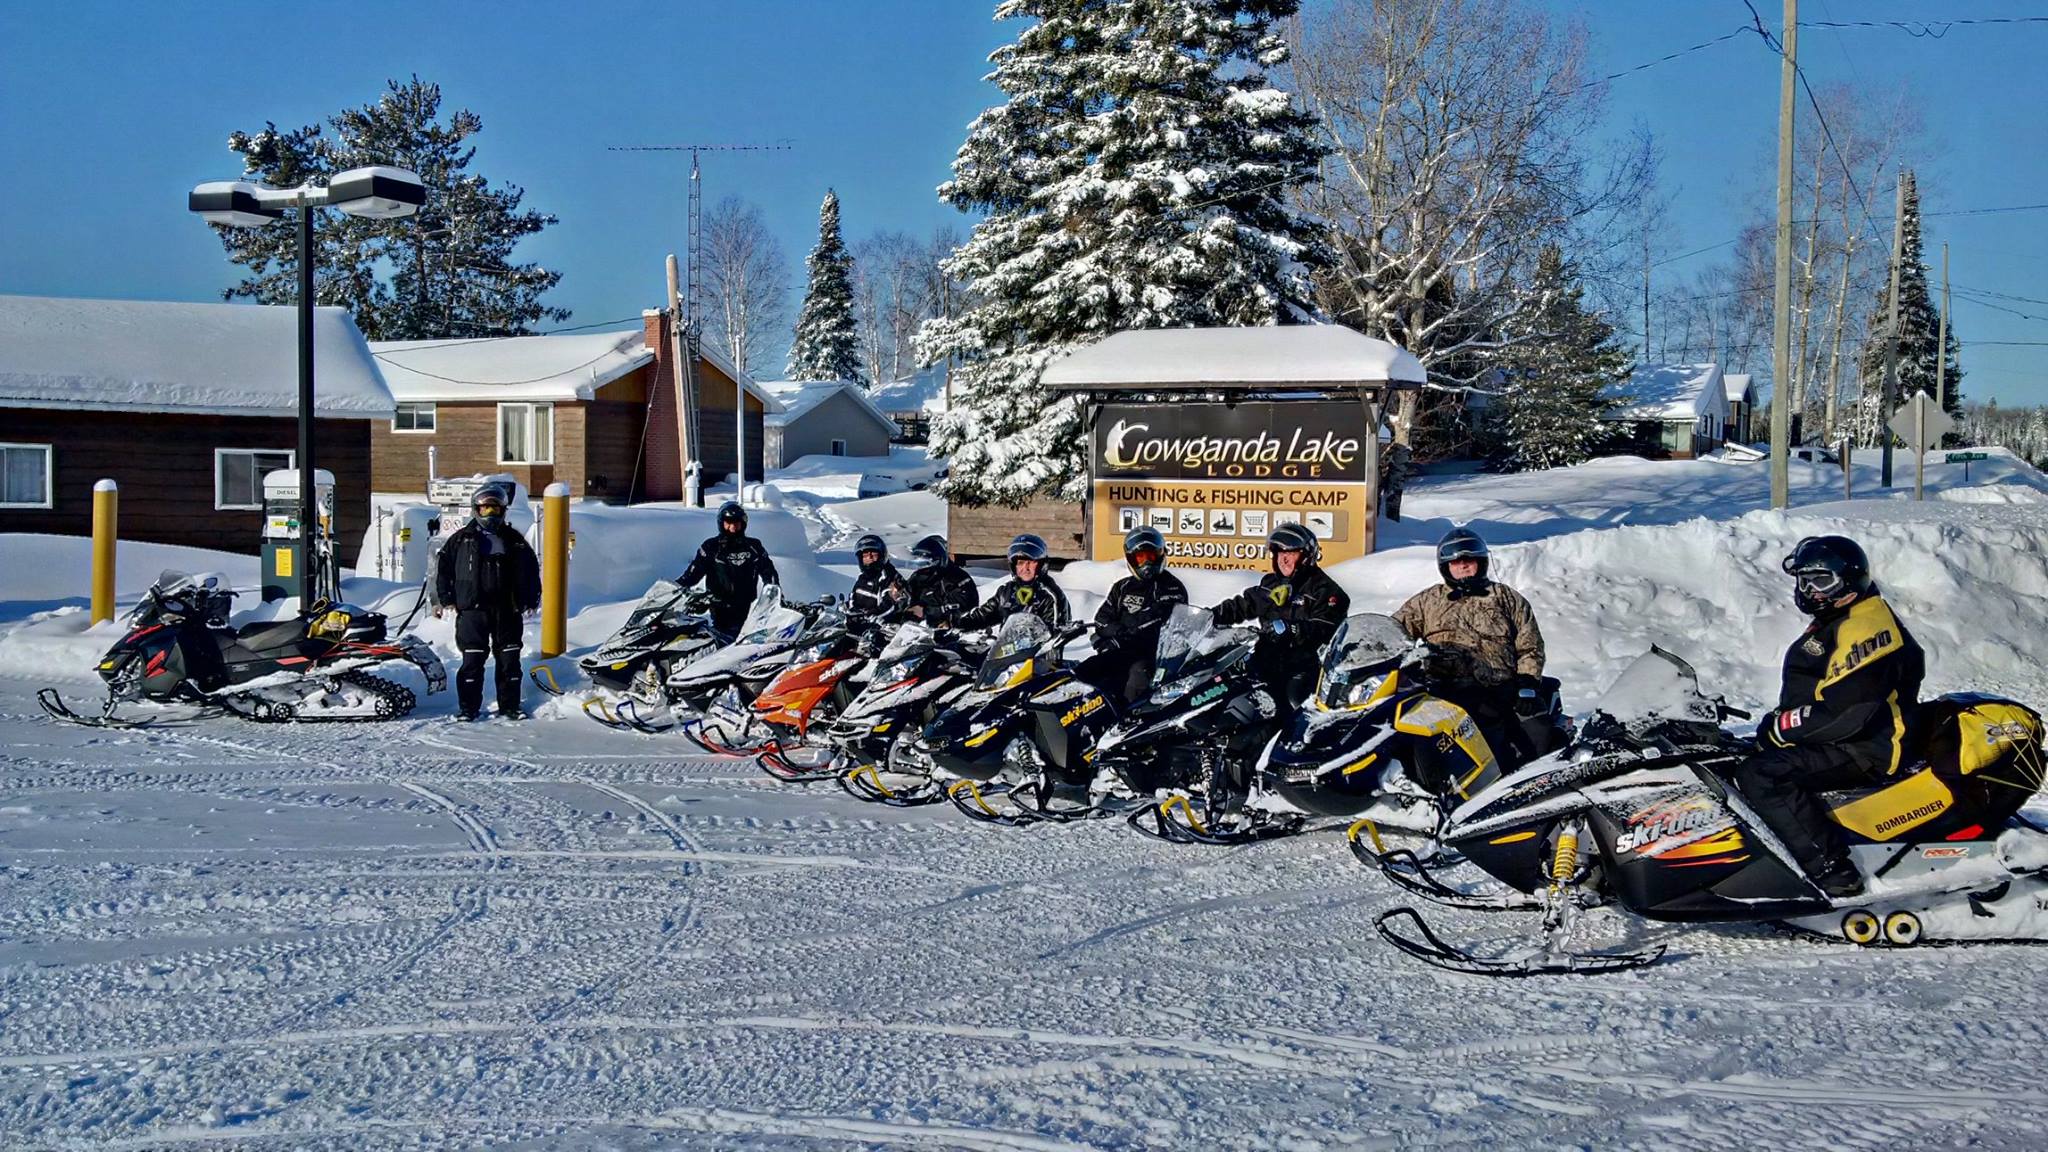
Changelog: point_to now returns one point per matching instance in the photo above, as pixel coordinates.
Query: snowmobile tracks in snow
(481, 839)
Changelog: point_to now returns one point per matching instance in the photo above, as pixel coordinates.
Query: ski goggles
(1819, 584)
(1146, 556)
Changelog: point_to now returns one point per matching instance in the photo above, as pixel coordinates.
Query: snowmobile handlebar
(1726, 713)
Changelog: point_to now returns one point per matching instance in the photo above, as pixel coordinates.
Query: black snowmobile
(666, 629)
(1027, 724)
(180, 650)
(1638, 811)
(1196, 736)
(915, 678)
(1378, 746)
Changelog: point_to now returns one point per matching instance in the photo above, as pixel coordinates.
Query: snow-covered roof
(571, 367)
(1314, 354)
(798, 397)
(1737, 386)
(923, 392)
(1669, 392)
(165, 356)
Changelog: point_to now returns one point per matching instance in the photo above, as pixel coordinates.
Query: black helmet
(488, 493)
(1026, 547)
(731, 512)
(1293, 538)
(871, 543)
(932, 552)
(1826, 569)
(1141, 540)
(1462, 544)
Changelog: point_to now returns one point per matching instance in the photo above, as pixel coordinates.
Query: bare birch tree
(746, 281)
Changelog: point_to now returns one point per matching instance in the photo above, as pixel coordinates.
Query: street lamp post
(378, 192)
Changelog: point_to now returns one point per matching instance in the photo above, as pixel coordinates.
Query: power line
(1923, 29)
(497, 383)
(1661, 59)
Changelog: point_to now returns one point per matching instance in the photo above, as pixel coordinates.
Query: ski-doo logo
(2009, 732)
(1084, 708)
(1661, 822)
(1912, 817)
(1863, 650)
(1943, 852)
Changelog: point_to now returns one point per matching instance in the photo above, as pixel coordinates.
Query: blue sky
(109, 112)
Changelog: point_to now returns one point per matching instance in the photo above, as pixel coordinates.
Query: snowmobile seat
(272, 636)
(1971, 762)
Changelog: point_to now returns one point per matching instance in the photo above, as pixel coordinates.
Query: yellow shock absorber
(1565, 863)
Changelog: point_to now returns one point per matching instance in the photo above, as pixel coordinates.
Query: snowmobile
(1196, 736)
(1027, 722)
(667, 628)
(823, 674)
(914, 679)
(716, 689)
(1638, 811)
(1376, 745)
(180, 650)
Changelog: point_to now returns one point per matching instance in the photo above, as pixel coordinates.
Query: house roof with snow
(1325, 355)
(571, 367)
(1668, 392)
(798, 398)
(1739, 388)
(923, 392)
(165, 356)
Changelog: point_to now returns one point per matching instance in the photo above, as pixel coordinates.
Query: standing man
(733, 567)
(488, 573)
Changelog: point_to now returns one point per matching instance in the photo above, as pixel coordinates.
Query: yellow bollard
(106, 498)
(554, 571)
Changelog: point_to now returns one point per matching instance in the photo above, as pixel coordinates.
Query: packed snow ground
(426, 934)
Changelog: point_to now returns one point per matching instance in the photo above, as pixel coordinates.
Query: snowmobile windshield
(1189, 634)
(1658, 686)
(906, 648)
(1009, 661)
(769, 619)
(663, 598)
(1365, 648)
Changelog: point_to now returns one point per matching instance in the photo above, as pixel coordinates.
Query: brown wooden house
(185, 406)
(594, 411)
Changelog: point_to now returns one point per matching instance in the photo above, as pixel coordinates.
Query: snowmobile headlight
(1350, 696)
(1164, 693)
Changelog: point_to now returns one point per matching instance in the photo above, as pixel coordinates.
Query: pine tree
(827, 345)
(1135, 178)
(1554, 378)
(450, 268)
(1919, 329)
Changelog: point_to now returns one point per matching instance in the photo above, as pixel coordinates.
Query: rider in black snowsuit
(1300, 608)
(941, 590)
(878, 591)
(1128, 623)
(1030, 588)
(488, 574)
(1850, 683)
(733, 567)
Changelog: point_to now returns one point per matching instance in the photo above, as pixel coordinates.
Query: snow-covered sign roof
(1738, 387)
(1312, 354)
(569, 367)
(1669, 392)
(799, 397)
(923, 392)
(162, 356)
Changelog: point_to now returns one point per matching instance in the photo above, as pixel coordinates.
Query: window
(413, 418)
(24, 475)
(238, 476)
(839, 447)
(526, 433)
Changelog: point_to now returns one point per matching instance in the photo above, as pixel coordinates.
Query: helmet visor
(1145, 557)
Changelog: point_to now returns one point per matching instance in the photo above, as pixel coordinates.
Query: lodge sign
(1306, 440)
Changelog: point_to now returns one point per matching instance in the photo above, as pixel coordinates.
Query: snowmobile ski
(969, 797)
(543, 677)
(54, 705)
(1174, 821)
(1544, 960)
(1404, 869)
(864, 782)
(794, 764)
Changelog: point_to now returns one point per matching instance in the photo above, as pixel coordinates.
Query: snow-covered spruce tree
(1919, 330)
(1553, 378)
(1136, 177)
(827, 345)
(450, 268)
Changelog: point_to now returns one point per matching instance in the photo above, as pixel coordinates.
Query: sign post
(1921, 423)
(1964, 459)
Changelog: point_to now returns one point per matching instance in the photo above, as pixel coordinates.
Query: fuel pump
(281, 559)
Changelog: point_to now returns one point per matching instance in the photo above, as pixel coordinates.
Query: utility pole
(1941, 342)
(686, 385)
(692, 320)
(1781, 327)
(1891, 344)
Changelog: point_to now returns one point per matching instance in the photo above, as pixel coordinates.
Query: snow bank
(620, 550)
(855, 477)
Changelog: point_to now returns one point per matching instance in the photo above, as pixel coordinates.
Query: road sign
(1966, 457)
(1921, 423)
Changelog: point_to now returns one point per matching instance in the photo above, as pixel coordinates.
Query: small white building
(1670, 411)
(1741, 408)
(824, 418)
